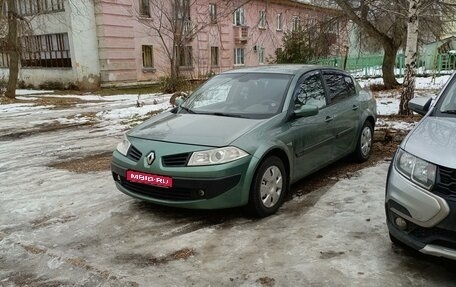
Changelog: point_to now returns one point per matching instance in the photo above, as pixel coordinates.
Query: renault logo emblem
(150, 158)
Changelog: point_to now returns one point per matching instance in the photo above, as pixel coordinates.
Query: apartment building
(58, 43)
(113, 42)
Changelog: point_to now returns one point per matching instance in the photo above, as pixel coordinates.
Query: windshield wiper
(227, 115)
(449, 112)
(187, 110)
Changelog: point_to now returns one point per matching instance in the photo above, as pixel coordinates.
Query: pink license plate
(150, 179)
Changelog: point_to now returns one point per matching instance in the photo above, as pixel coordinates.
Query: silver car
(420, 198)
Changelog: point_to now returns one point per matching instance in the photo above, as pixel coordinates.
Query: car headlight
(216, 156)
(415, 169)
(123, 146)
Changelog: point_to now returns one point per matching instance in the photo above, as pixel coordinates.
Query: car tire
(364, 143)
(268, 188)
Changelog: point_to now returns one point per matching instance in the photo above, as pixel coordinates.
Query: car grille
(446, 183)
(133, 153)
(437, 236)
(176, 159)
(160, 192)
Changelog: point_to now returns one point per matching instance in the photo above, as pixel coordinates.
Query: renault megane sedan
(421, 186)
(245, 136)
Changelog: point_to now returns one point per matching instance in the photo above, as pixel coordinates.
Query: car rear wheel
(364, 144)
(269, 186)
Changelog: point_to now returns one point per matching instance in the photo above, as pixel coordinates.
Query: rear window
(340, 86)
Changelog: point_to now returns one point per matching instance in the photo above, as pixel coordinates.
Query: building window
(239, 17)
(213, 13)
(186, 56)
(144, 8)
(279, 22)
(261, 55)
(46, 51)
(4, 60)
(262, 19)
(239, 56)
(148, 56)
(214, 56)
(33, 7)
(278, 52)
(295, 23)
(182, 9)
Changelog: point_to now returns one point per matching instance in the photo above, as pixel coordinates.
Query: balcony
(241, 34)
(187, 29)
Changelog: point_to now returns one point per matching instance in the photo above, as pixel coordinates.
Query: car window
(340, 86)
(448, 104)
(310, 92)
(249, 95)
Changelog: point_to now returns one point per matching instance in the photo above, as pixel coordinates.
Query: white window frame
(145, 66)
(144, 8)
(260, 55)
(239, 17)
(186, 56)
(262, 19)
(213, 13)
(295, 23)
(279, 24)
(239, 56)
(217, 56)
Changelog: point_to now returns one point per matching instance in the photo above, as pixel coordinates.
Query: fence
(371, 65)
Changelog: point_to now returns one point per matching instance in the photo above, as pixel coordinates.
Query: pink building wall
(122, 32)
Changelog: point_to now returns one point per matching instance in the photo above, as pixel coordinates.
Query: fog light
(401, 223)
(201, 193)
(118, 178)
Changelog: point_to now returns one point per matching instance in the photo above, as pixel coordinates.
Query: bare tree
(386, 21)
(12, 49)
(410, 64)
(418, 11)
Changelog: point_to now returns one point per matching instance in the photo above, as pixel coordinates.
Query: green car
(244, 136)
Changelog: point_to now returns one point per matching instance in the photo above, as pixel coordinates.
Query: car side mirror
(420, 105)
(179, 101)
(306, 111)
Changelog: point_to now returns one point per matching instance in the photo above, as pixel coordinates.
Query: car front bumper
(198, 187)
(430, 219)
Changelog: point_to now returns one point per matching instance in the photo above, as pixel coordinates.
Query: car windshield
(247, 95)
(448, 104)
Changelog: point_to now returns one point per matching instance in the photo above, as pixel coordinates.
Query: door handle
(355, 107)
(328, 119)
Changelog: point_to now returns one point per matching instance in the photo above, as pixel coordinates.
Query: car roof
(291, 69)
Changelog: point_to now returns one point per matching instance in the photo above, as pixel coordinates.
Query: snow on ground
(388, 100)
(21, 92)
(108, 114)
(421, 82)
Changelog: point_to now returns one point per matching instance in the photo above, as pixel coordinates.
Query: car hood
(196, 129)
(434, 140)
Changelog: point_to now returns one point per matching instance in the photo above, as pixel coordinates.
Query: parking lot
(66, 227)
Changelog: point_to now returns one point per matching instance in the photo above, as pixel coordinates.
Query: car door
(312, 136)
(344, 105)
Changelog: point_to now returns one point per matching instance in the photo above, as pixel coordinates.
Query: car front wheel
(269, 186)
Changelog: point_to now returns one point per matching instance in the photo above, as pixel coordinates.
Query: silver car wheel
(366, 141)
(271, 186)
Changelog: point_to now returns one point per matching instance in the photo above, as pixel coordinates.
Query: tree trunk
(410, 62)
(13, 50)
(389, 63)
